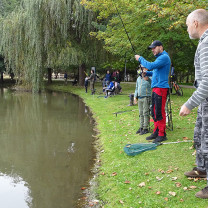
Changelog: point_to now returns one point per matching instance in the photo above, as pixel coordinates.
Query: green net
(135, 149)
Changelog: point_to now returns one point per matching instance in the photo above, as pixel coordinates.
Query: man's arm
(157, 64)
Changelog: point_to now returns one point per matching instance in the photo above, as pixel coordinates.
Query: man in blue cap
(159, 70)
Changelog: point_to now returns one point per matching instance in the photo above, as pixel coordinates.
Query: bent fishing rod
(139, 66)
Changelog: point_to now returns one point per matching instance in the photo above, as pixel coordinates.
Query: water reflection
(47, 141)
(14, 192)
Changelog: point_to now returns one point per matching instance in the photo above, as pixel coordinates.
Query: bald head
(197, 23)
(200, 15)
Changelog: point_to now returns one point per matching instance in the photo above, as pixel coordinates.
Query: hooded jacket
(161, 69)
(143, 88)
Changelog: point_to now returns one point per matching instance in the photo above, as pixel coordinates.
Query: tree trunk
(2, 77)
(82, 74)
(187, 78)
(49, 75)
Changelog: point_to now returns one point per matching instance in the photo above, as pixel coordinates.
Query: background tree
(146, 21)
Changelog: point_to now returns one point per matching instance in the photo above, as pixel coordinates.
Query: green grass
(155, 168)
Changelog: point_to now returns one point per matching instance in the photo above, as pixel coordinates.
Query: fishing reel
(140, 70)
(139, 73)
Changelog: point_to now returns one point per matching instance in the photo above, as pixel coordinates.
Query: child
(86, 83)
(142, 96)
(109, 88)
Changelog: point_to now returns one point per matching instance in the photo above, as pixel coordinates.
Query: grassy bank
(153, 179)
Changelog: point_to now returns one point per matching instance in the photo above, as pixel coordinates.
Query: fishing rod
(139, 66)
(125, 29)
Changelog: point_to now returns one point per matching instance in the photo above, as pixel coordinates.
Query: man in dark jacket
(159, 71)
(92, 81)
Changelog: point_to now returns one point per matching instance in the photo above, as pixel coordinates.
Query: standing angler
(160, 73)
(197, 27)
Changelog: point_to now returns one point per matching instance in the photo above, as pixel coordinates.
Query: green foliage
(146, 21)
(7, 6)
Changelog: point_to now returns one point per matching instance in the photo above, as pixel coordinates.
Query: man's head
(156, 47)
(197, 23)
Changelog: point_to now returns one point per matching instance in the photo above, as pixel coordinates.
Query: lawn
(152, 179)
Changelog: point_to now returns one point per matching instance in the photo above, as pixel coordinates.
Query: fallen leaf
(158, 178)
(83, 188)
(192, 187)
(166, 198)
(146, 173)
(142, 184)
(196, 179)
(114, 174)
(174, 178)
(84, 198)
(169, 171)
(127, 182)
(185, 188)
(178, 184)
(181, 200)
(102, 173)
(194, 153)
(185, 138)
(158, 192)
(121, 201)
(172, 193)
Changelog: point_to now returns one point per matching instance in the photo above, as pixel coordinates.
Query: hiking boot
(139, 130)
(203, 194)
(144, 131)
(160, 139)
(195, 173)
(152, 136)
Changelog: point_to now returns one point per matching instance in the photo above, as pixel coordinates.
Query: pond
(46, 149)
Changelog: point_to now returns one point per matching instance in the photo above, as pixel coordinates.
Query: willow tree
(34, 36)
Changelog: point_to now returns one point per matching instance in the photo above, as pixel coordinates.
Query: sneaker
(152, 136)
(139, 130)
(144, 131)
(195, 173)
(160, 139)
(203, 194)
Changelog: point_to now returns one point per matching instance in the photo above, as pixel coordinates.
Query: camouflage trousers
(201, 137)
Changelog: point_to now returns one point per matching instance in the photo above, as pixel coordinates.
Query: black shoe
(144, 131)
(139, 130)
(160, 139)
(152, 136)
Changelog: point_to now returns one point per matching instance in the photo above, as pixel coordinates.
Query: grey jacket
(201, 73)
(143, 88)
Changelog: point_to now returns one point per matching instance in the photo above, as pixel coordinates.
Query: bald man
(197, 27)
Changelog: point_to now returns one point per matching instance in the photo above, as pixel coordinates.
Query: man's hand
(137, 57)
(184, 111)
(135, 101)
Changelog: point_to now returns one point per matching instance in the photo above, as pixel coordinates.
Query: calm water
(45, 149)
